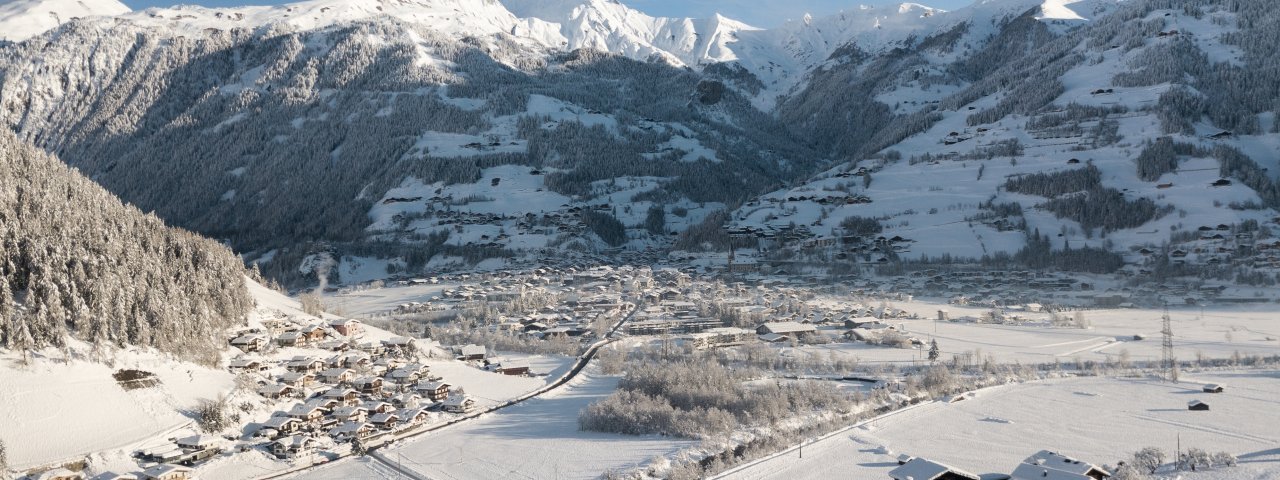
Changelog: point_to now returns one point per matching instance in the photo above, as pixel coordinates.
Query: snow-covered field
(1218, 332)
(51, 411)
(535, 439)
(1101, 420)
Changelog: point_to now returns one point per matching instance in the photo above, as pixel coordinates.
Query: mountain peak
(23, 19)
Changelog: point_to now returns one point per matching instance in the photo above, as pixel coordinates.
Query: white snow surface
(53, 411)
(23, 19)
(1057, 415)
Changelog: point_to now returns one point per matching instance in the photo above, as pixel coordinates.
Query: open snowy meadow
(1097, 419)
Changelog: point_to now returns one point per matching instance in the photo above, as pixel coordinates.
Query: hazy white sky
(762, 13)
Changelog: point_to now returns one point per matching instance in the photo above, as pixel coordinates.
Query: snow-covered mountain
(23, 19)
(1095, 148)
(424, 133)
(610, 26)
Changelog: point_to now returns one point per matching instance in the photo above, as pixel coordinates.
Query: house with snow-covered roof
(306, 413)
(785, 328)
(1056, 466)
(167, 472)
(434, 391)
(351, 430)
(336, 375)
(471, 352)
(346, 326)
(922, 469)
(459, 404)
(282, 425)
(292, 446)
(58, 474)
(385, 421)
(250, 342)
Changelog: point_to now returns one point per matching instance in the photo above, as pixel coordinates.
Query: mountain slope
(1139, 139)
(80, 264)
(23, 19)
(284, 143)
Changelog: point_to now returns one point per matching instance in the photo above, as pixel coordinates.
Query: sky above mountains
(761, 13)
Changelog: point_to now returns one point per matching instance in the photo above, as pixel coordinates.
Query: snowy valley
(480, 239)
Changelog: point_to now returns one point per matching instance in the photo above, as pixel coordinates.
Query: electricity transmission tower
(1168, 364)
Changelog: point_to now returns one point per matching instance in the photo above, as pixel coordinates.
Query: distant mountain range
(398, 137)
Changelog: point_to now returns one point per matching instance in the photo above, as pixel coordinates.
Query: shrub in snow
(1224, 459)
(212, 416)
(1128, 472)
(1148, 459)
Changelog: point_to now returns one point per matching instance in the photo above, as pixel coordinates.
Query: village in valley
(406, 361)
(569, 239)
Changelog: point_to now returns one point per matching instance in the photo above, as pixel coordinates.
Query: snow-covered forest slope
(76, 263)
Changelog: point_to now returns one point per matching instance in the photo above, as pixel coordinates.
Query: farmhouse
(297, 379)
(1055, 466)
(346, 396)
(336, 375)
(290, 339)
(434, 391)
(471, 352)
(351, 414)
(378, 406)
(351, 430)
(402, 344)
(385, 421)
(275, 392)
(459, 404)
(58, 474)
(413, 416)
(166, 472)
(346, 326)
(785, 328)
(283, 425)
(251, 342)
(305, 364)
(306, 413)
(368, 385)
(404, 375)
(774, 338)
(922, 469)
(513, 368)
(292, 446)
(246, 365)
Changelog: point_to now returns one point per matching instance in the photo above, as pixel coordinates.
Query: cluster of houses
(1040, 466)
(1216, 245)
(357, 395)
(343, 389)
(585, 298)
(846, 247)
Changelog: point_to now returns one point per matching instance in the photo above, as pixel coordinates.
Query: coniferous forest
(84, 265)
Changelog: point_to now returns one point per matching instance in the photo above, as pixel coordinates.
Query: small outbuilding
(1197, 405)
(1213, 388)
